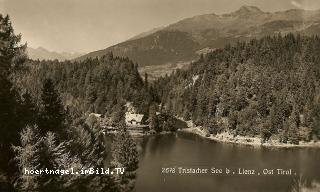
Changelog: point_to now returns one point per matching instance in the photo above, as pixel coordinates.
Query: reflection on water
(189, 150)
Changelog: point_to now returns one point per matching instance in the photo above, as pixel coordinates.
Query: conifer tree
(52, 114)
(315, 124)
(40, 153)
(28, 110)
(28, 158)
(9, 122)
(153, 120)
(146, 83)
(293, 127)
(124, 154)
(52, 157)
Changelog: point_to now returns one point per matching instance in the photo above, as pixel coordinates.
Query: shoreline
(225, 137)
(139, 134)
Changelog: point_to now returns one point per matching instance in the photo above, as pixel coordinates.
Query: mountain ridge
(208, 32)
(44, 54)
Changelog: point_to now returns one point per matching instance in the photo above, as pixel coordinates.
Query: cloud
(296, 4)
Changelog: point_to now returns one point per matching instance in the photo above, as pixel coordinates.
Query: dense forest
(93, 85)
(37, 128)
(101, 85)
(268, 87)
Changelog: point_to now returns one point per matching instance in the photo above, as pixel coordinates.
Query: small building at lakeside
(133, 119)
(135, 122)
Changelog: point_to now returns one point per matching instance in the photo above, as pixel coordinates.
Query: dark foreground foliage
(36, 128)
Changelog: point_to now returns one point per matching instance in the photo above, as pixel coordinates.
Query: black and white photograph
(159, 96)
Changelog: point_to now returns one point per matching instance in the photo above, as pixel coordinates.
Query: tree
(315, 125)
(9, 122)
(88, 144)
(276, 119)
(52, 113)
(169, 123)
(28, 157)
(118, 114)
(290, 133)
(292, 127)
(266, 132)
(4, 183)
(153, 120)
(124, 154)
(28, 110)
(52, 156)
(91, 94)
(233, 120)
(40, 153)
(146, 83)
(212, 126)
(10, 48)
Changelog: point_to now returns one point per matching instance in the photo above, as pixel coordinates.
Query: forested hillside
(268, 87)
(162, 47)
(94, 85)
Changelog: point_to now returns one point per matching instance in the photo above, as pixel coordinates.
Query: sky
(89, 25)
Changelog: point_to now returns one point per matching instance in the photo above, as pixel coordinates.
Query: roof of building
(95, 114)
(133, 116)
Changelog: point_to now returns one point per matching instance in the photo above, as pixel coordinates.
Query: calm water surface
(188, 150)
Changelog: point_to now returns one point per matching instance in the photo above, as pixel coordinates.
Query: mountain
(146, 33)
(182, 42)
(43, 54)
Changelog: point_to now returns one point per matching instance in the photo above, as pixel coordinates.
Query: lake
(191, 151)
